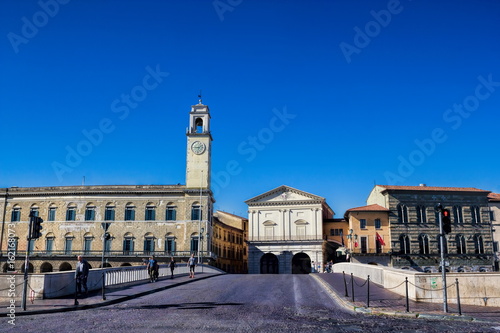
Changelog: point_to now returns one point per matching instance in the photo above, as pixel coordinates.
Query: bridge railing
(58, 284)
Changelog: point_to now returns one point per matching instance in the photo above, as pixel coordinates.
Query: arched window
(475, 213)
(194, 242)
(196, 211)
(461, 245)
(90, 212)
(170, 244)
(71, 212)
(171, 212)
(402, 213)
(87, 243)
(128, 243)
(421, 214)
(199, 125)
(16, 214)
(268, 230)
(445, 244)
(478, 244)
(458, 216)
(107, 244)
(49, 243)
(300, 229)
(109, 212)
(404, 244)
(130, 212)
(150, 212)
(149, 243)
(68, 243)
(34, 210)
(423, 243)
(52, 212)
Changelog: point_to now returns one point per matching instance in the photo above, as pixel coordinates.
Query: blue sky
(329, 97)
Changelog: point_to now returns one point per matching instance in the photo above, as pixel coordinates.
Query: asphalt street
(237, 303)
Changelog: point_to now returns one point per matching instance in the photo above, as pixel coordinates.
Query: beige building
(163, 220)
(230, 234)
(369, 236)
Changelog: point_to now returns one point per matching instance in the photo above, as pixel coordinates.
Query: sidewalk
(113, 294)
(383, 301)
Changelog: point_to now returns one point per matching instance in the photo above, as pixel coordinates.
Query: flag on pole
(380, 240)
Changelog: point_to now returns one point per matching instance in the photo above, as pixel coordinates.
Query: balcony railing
(285, 238)
(108, 254)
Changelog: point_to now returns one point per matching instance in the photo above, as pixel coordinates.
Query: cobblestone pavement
(239, 303)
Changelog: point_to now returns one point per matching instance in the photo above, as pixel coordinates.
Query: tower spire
(199, 96)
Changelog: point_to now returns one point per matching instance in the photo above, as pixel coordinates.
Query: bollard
(352, 287)
(407, 296)
(368, 292)
(103, 286)
(345, 285)
(458, 300)
(76, 291)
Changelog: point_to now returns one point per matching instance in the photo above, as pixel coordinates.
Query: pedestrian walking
(81, 275)
(152, 269)
(191, 264)
(172, 267)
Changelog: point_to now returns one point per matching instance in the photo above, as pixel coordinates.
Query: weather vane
(199, 96)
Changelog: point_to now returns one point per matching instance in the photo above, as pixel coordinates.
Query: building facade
(286, 231)
(414, 227)
(163, 220)
(229, 243)
(494, 202)
(369, 235)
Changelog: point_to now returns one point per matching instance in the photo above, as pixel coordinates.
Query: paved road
(236, 303)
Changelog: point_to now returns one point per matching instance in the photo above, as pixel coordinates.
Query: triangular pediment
(283, 195)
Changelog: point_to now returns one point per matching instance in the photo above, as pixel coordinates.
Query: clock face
(198, 147)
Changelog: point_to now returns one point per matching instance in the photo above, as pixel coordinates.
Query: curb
(364, 310)
(111, 302)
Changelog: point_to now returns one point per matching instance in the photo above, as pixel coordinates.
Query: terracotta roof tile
(494, 197)
(369, 208)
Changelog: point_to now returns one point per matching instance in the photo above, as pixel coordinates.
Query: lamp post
(352, 238)
(105, 236)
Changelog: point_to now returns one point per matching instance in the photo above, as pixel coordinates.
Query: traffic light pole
(26, 264)
(443, 266)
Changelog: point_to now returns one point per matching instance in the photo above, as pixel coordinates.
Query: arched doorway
(301, 264)
(46, 267)
(65, 267)
(269, 264)
(30, 268)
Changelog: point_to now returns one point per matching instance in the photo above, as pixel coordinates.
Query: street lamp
(351, 237)
(106, 236)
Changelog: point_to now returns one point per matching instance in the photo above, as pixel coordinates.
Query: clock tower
(199, 147)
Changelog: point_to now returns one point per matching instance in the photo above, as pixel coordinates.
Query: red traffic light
(446, 221)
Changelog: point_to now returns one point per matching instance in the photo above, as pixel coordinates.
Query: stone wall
(475, 288)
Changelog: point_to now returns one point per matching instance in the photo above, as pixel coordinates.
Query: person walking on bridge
(191, 264)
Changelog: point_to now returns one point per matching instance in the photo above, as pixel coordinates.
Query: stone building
(286, 231)
(414, 227)
(163, 220)
(494, 201)
(230, 234)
